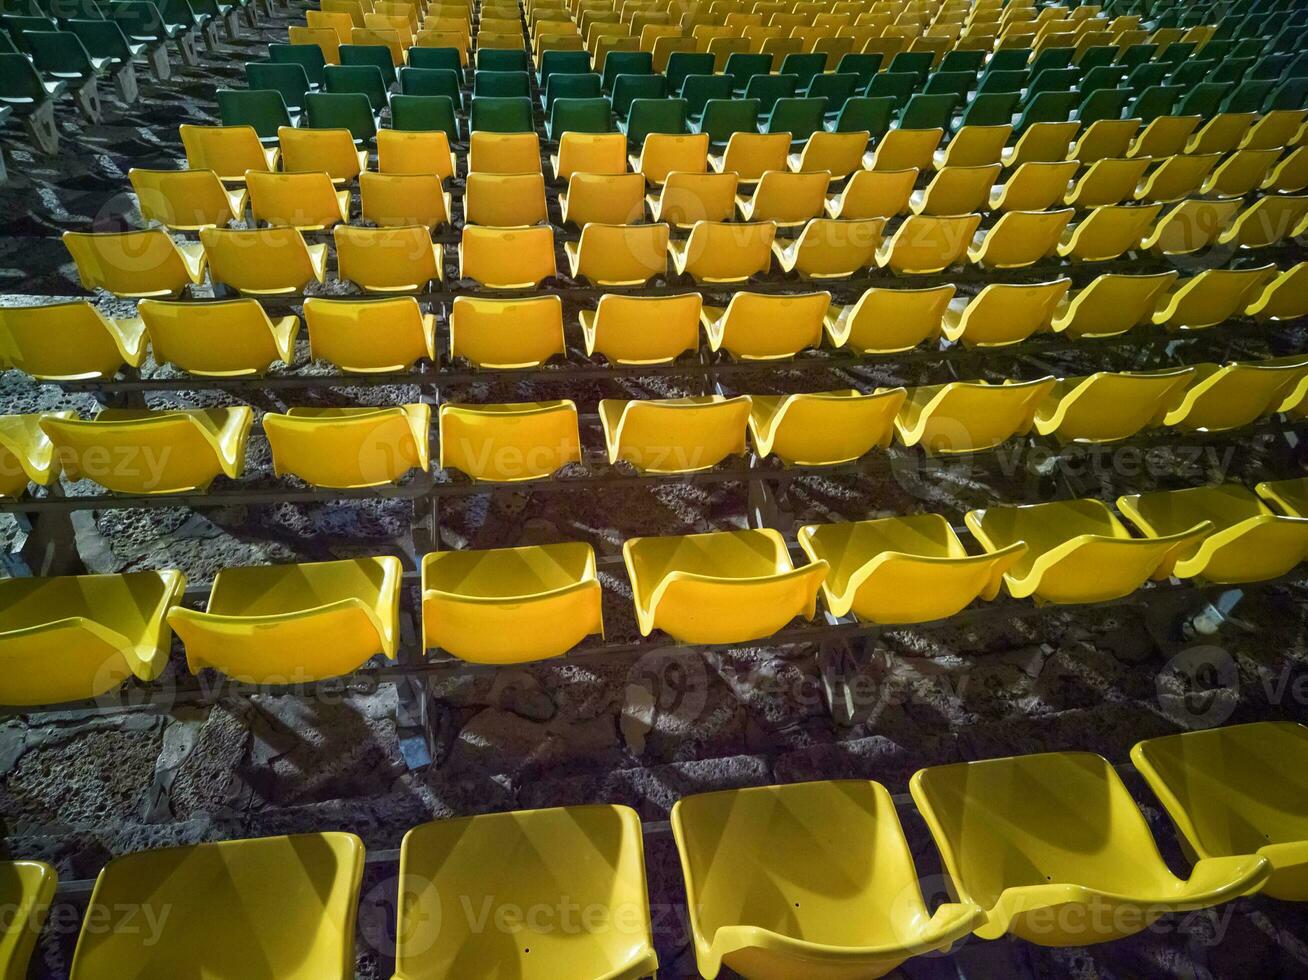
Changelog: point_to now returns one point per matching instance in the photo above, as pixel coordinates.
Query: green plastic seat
(722, 117)
(575, 85)
(1106, 103)
(263, 109)
(1290, 94)
(1155, 101)
(1047, 107)
(578, 116)
(1101, 77)
(682, 64)
(1150, 73)
(864, 113)
(104, 40)
(425, 113)
(928, 112)
(1233, 70)
(501, 84)
(287, 79)
(376, 55)
(1051, 80)
(559, 63)
(698, 90)
(1097, 56)
(366, 80)
(60, 56)
(628, 88)
(501, 115)
(431, 81)
(807, 66)
(1050, 58)
(307, 56)
(1177, 53)
(1003, 80)
(654, 116)
(968, 61)
(742, 67)
(990, 109)
(801, 118)
(955, 83)
(768, 89)
(342, 110)
(1137, 54)
(865, 66)
(625, 63)
(19, 26)
(1248, 96)
(436, 58)
(1202, 99)
(1009, 59)
(915, 63)
(1191, 72)
(837, 89)
(498, 59)
(896, 85)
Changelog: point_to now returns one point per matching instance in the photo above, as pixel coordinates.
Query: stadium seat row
(1051, 847)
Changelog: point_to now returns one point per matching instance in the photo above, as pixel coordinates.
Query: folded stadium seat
(1107, 232)
(874, 194)
(1285, 297)
(261, 109)
(26, 453)
(619, 255)
(243, 892)
(968, 416)
(751, 155)
(1107, 181)
(686, 198)
(507, 333)
(838, 154)
(26, 889)
(829, 248)
(973, 146)
(1165, 136)
(1230, 396)
(1232, 792)
(511, 442)
(135, 264)
(1177, 178)
(505, 200)
(926, 244)
(900, 149)
(763, 326)
(1275, 129)
(393, 259)
(886, 321)
(1042, 142)
(1268, 221)
(1019, 239)
(504, 153)
(1289, 496)
(69, 341)
(81, 636)
(720, 587)
(349, 447)
(223, 339)
(1037, 185)
(956, 190)
(1013, 837)
(820, 912)
(585, 857)
(642, 329)
(902, 569)
(1003, 313)
(264, 261)
(1190, 227)
(306, 200)
(174, 451)
(369, 336)
(1247, 543)
(664, 153)
(330, 151)
(185, 200)
(507, 258)
(228, 151)
(590, 153)
(823, 428)
(1108, 406)
(719, 251)
(1211, 297)
(674, 435)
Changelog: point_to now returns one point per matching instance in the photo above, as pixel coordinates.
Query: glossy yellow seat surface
(809, 880)
(674, 435)
(902, 569)
(308, 201)
(966, 416)
(956, 190)
(619, 255)
(719, 251)
(505, 200)
(293, 624)
(264, 261)
(270, 908)
(838, 154)
(925, 244)
(507, 333)
(1054, 849)
(186, 200)
(1285, 297)
(408, 152)
(135, 264)
(828, 248)
(611, 199)
(1289, 496)
(751, 155)
(1036, 185)
(1108, 406)
(349, 447)
(642, 329)
(1237, 791)
(1211, 297)
(1190, 227)
(719, 587)
(399, 199)
(509, 442)
(507, 258)
(26, 453)
(79, 636)
(511, 605)
(823, 428)
(580, 857)
(229, 151)
(397, 259)
(1003, 313)
(886, 321)
(665, 153)
(763, 326)
(227, 338)
(69, 341)
(591, 153)
(329, 151)
(1107, 232)
(786, 198)
(689, 197)
(1229, 396)
(1019, 238)
(26, 890)
(874, 194)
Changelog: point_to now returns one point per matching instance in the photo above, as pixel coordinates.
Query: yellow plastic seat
(902, 569)
(619, 255)
(719, 251)
(1247, 543)
(1190, 227)
(789, 199)
(370, 336)
(587, 857)
(874, 194)
(1267, 221)
(1230, 396)
(1177, 177)
(719, 587)
(974, 146)
(401, 151)
(349, 447)
(263, 261)
(308, 201)
(510, 605)
(1108, 406)
(509, 443)
(1055, 850)
(505, 200)
(395, 259)
(888, 321)
(1165, 136)
(80, 636)
(901, 149)
(26, 890)
(1042, 142)
(956, 190)
(1104, 139)
(828, 248)
(294, 624)
(1036, 185)
(1237, 791)
(1221, 133)
(823, 428)
(264, 908)
(1019, 238)
(143, 452)
(1274, 130)
(674, 435)
(766, 326)
(750, 155)
(665, 153)
(926, 244)
(686, 198)
(1289, 496)
(1078, 551)
(229, 151)
(503, 153)
(69, 341)
(404, 199)
(185, 200)
(1289, 175)
(1285, 297)
(590, 153)
(1107, 181)
(1241, 173)
(1211, 297)
(833, 890)
(609, 199)
(837, 154)
(26, 453)
(966, 416)
(642, 329)
(506, 333)
(507, 258)
(224, 339)
(135, 264)
(1107, 232)
(329, 151)
(1003, 313)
